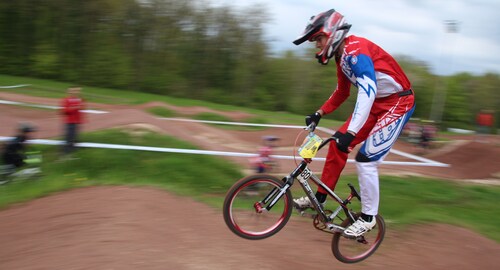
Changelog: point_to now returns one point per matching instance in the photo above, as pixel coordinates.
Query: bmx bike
(258, 206)
(30, 170)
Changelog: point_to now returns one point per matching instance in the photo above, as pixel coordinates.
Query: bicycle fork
(271, 199)
(276, 193)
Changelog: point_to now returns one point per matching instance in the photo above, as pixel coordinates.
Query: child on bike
(264, 162)
(14, 152)
(384, 104)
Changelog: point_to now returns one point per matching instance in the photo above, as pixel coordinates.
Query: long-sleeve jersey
(372, 70)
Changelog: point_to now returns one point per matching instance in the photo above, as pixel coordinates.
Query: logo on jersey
(354, 59)
(346, 69)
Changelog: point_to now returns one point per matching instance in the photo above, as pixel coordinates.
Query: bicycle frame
(302, 173)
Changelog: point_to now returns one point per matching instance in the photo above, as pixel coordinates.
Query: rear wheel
(349, 250)
(247, 210)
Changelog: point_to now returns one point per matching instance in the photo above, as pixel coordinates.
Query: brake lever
(311, 127)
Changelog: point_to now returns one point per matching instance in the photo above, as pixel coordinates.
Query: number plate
(304, 175)
(310, 146)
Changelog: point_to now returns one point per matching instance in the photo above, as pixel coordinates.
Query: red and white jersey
(372, 70)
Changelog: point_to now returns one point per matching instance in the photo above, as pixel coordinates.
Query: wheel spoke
(248, 216)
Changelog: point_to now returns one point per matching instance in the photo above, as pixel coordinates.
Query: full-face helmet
(330, 24)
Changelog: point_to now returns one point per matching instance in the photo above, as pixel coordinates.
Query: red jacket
(71, 109)
(485, 119)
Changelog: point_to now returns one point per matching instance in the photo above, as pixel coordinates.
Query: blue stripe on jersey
(364, 71)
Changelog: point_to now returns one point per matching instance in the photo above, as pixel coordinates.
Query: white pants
(369, 186)
(374, 150)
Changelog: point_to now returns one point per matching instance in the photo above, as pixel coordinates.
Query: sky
(414, 28)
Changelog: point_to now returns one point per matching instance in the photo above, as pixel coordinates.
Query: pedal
(349, 236)
(334, 228)
(361, 239)
(308, 215)
(328, 226)
(304, 213)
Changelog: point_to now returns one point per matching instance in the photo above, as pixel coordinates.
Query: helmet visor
(314, 26)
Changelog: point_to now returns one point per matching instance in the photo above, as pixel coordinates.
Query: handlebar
(312, 127)
(325, 142)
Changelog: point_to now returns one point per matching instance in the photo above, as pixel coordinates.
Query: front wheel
(256, 207)
(349, 250)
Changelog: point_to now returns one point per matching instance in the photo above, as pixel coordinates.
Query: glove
(315, 117)
(343, 141)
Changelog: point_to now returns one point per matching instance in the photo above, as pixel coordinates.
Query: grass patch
(421, 200)
(54, 89)
(221, 118)
(413, 200)
(211, 117)
(191, 175)
(161, 111)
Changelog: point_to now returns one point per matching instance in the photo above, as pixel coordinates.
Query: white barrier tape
(208, 152)
(8, 102)
(421, 159)
(14, 86)
(326, 130)
(407, 163)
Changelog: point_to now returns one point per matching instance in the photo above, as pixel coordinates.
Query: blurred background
(220, 51)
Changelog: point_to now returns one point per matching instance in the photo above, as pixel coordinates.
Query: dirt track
(132, 228)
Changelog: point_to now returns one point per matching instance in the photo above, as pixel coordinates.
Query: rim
(372, 246)
(272, 227)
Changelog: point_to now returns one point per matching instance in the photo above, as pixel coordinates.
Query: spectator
(484, 121)
(427, 135)
(71, 109)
